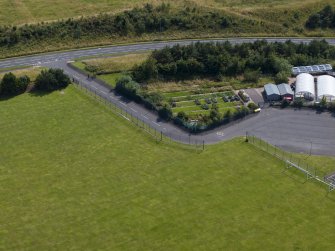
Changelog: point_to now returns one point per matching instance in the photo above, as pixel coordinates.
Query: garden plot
(201, 104)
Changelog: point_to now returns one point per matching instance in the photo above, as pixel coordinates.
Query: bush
(182, 115)
(323, 19)
(205, 106)
(51, 80)
(165, 112)
(128, 87)
(252, 106)
(298, 103)
(10, 85)
(252, 76)
(281, 77)
(284, 103)
(22, 83)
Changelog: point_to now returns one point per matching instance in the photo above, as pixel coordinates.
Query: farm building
(326, 87)
(305, 87)
(285, 91)
(271, 92)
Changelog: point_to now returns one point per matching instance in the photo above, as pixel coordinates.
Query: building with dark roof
(285, 91)
(271, 92)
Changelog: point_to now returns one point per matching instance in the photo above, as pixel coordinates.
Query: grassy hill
(246, 18)
(32, 11)
(75, 176)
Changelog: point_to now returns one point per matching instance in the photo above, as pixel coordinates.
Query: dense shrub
(323, 19)
(127, 87)
(252, 106)
(11, 85)
(165, 112)
(137, 21)
(224, 59)
(51, 80)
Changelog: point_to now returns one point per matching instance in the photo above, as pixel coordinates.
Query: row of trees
(47, 81)
(133, 22)
(323, 19)
(225, 59)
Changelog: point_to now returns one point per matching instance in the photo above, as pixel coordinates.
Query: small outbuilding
(271, 92)
(285, 91)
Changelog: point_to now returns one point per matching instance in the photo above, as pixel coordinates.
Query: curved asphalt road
(301, 131)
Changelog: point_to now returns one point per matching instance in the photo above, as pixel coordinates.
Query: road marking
(145, 116)
(95, 87)
(125, 117)
(104, 92)
(133, 109)
(220, 134)
(156, 123)
(123, 103)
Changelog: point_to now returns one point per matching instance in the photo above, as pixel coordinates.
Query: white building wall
(305, 85)
(326, 87)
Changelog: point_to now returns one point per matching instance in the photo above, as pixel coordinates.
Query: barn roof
(271, 89)
(285, 89)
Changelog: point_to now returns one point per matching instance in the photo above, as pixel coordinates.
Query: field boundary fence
(188, 141)
(291, 160)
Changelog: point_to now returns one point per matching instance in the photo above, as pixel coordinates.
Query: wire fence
(158, 134)
(293, 161)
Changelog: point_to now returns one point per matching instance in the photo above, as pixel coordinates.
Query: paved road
(299, 131)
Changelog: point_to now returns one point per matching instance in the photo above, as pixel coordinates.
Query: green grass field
(74, 176)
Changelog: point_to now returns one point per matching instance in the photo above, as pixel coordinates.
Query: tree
(147, 70)
(8, 85)
(128, 87)
(165, 112)
(52, 79)
(281, 77)
(22, 84)
(252, 76)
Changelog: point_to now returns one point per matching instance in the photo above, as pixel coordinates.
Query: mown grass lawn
(111, 79)
(74, 176)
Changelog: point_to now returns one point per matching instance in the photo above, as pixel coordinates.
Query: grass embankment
(68, 183)
(253, 18)
(31, 72)
(110, 69)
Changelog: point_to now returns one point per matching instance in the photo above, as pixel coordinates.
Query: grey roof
(271, 89)
(312, 69)
(285, 89)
